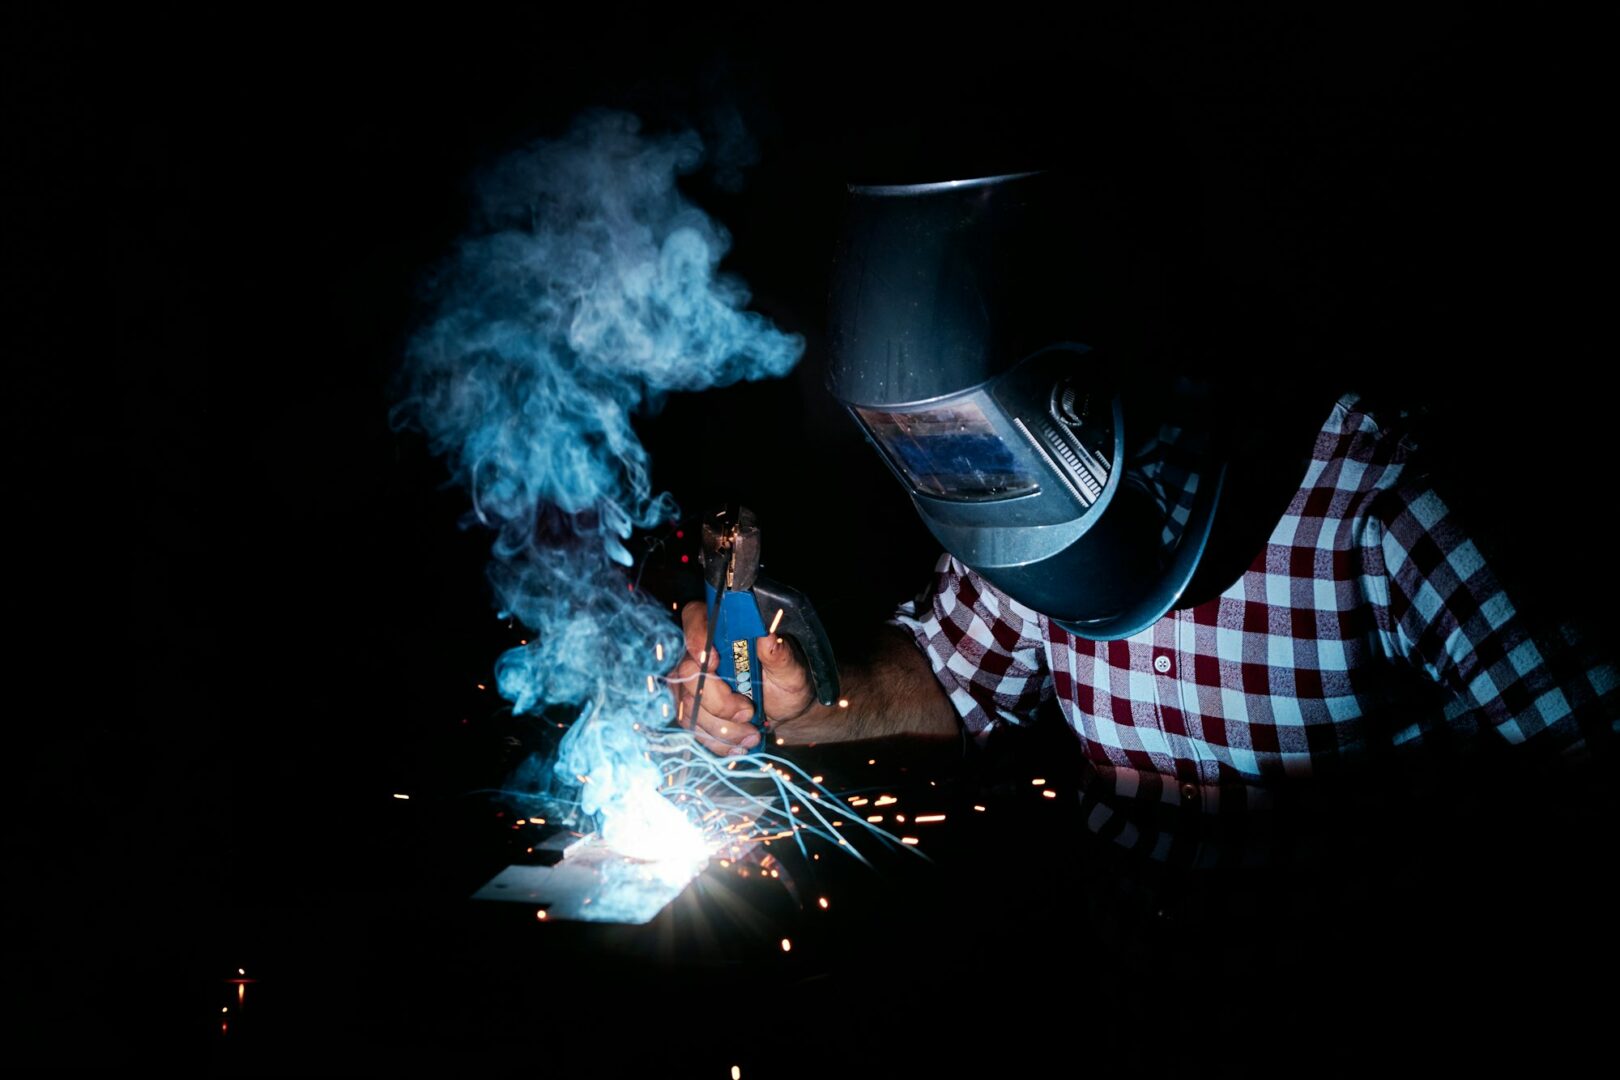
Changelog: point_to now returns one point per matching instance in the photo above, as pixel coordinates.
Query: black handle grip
(799, 621)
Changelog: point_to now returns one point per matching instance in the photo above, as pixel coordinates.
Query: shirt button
(1161, 664)
(1189, 792)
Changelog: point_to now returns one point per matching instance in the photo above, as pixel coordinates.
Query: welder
(1213, 589)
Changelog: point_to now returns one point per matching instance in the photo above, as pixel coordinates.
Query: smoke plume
(586, 289)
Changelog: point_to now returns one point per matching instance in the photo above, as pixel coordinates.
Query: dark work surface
(1405, 913)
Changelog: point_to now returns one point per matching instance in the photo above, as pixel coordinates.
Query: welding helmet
(986, 335)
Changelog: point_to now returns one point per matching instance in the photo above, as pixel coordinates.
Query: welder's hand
(722, 721)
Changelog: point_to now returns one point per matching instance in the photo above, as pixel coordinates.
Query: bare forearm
(895, 694)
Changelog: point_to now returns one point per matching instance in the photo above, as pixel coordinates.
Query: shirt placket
(1165, 658)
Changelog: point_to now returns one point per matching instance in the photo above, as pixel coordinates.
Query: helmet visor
(959, 450)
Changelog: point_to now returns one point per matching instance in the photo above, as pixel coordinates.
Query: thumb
(775, 654)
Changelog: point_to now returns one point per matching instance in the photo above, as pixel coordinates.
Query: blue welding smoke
(586, 289)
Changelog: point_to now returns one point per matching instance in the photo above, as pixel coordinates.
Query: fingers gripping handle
(798, 621)
(735, 627)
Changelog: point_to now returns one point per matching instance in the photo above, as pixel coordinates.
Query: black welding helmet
(985, 336)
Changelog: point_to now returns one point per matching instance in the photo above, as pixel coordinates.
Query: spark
(1050, 794)
(875, 818)
(781, 741)
(658, 650)
(871, 761)
(736, 1073)
(397, 795)
(901, 818)
(541, 914)
(755, 797)
(822, 903)
(481, 686)
(1038, 781)
(652, 687)
(776, 621)
(979, 808)
(859, 800)
(239, 971)
(908, 840)
(787, 946)
(927, 819)
(885, 800)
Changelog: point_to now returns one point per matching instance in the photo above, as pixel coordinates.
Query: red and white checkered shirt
(1369, 621)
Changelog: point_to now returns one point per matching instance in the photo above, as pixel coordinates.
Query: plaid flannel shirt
(1369, 622)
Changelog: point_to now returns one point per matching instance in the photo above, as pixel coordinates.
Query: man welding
(1212, 590)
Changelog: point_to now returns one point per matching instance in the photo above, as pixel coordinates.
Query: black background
(243, 613)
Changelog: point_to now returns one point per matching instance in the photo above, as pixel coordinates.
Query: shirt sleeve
(986, 649)
(1441, 608)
